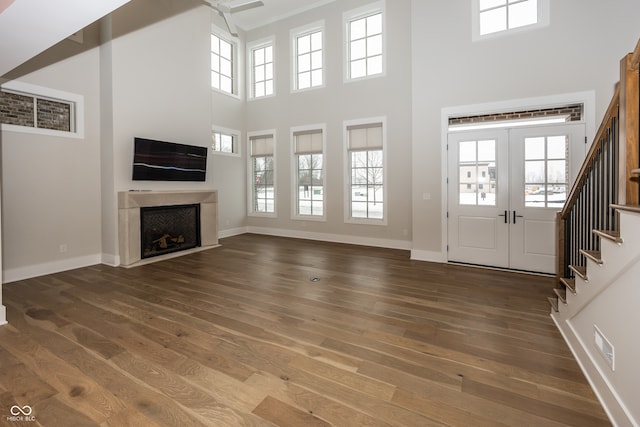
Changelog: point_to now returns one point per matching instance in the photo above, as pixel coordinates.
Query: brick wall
(18, 109)
(573, 111)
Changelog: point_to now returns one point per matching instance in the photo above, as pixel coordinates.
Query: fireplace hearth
(167, 229)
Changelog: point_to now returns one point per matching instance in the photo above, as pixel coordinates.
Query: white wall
(579, 51)
(155, 71)
(338, 101)
(51, 185)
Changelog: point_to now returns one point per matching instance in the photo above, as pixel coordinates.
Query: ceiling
(24, 33)
(272, 11)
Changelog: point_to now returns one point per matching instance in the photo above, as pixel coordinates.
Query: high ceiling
(272, 11)
(28, 27)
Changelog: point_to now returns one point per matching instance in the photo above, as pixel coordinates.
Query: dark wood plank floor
(240, 335)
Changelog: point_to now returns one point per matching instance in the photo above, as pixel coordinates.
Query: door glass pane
(546, 171)
(477, 172)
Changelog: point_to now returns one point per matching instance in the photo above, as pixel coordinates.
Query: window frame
(237, 141)
(251, 47)
(250, 174)
(76, 102)
(295, 215)
(348, 218)
(543, 21)
(235, 62)
(354, 15)
(295, 34)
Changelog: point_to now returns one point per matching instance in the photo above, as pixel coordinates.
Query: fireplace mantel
(130, 202)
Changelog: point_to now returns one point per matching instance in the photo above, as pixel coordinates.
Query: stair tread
(554, 303)
(594, 256)
(561, 293)
(569, 284)
(580, 271)
(612, 235)
(628, 208)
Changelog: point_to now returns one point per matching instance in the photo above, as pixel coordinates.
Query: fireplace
(131, 237)
(167, 229)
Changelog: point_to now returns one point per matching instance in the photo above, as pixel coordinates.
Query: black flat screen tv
(167, 161)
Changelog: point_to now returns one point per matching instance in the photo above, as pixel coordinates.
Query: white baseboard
(334, 238)
(429, 256)
(22, 273)
(231, 232)
(615, 409)
(3, 315)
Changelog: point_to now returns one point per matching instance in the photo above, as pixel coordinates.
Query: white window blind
(365, 137)
(308, 142)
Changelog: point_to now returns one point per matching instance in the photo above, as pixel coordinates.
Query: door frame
(587, 99)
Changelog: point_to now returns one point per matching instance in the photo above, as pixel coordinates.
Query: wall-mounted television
(167, 161)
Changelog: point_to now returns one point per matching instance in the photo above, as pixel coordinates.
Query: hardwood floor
(241, 335)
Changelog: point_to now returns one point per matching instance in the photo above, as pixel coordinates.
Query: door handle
(506, 217)
(516, 216)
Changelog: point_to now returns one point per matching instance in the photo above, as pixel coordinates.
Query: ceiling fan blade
(230, 25)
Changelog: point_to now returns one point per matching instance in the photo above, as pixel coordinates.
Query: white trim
(293, 57)
(544, 19)
(354, 14)
(428, 256)
(294, 173)
(232, 232)
(250, 183)
(611, 402)
(251, 46)
(333, 238)
(51, 267)
(77, 109)
(3, 315)
(347, 169)
(587, 99)
(233, 132)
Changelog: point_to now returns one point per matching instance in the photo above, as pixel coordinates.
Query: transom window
(365, 45)
(495, 16)
(224, 142)
(262, 71)
(309, 60)
(222, 65)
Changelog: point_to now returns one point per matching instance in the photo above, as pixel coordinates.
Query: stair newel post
(629, 190)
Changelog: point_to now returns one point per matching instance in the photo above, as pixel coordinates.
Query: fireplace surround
(130, 204)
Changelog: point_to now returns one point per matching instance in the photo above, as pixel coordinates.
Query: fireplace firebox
(167, 229)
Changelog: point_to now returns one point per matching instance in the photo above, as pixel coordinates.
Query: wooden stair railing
(607, 180)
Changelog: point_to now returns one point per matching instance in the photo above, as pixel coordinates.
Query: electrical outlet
(63, 248)
(605, 347)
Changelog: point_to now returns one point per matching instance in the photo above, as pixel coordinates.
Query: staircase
(596, 301)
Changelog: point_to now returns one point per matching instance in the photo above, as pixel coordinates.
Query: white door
(478, 196)
(544, 162)
(505, 187)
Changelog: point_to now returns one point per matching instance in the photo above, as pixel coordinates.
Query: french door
(505, 187)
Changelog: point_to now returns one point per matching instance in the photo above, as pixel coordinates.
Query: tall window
(222, 65)
(309, 175)
(308, 60)
(365, 45)
(366, 171)
(262, 70)
(495, 16)
(262, 179)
